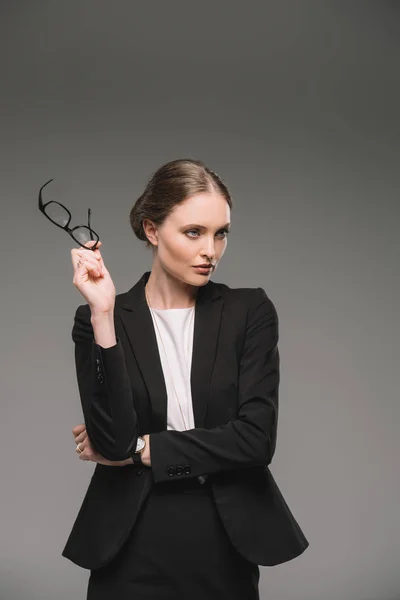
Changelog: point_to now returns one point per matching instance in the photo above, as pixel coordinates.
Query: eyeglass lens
(60, 216)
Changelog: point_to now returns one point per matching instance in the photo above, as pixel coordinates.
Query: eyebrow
(203, 227)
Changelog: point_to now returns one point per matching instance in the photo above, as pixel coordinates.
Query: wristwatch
(140, 446)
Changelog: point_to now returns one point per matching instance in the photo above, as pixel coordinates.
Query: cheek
(182, 249)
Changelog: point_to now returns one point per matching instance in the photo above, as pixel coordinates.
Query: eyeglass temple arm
(40, 201)
(91, 232)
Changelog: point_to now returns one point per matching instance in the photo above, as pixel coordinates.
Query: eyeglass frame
(42, 207)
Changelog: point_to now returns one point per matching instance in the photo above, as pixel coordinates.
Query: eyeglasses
(58, 214)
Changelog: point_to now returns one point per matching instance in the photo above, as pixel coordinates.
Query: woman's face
(195, 232)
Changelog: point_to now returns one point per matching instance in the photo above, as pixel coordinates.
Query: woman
(178, 379)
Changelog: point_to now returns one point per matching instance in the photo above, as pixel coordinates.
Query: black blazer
(234, 384)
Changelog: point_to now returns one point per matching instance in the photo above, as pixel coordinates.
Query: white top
(176, 326)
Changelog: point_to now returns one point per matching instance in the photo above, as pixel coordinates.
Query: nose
(209, 249)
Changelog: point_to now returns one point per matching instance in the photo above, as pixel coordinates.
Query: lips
(203, 270)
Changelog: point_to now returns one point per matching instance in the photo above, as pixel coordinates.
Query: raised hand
(92, 278)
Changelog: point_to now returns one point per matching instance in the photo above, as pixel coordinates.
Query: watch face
(140, 444)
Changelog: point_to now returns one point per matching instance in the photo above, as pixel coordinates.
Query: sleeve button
(171, 471)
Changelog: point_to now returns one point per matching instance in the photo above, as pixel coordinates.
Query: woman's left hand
(88, 453)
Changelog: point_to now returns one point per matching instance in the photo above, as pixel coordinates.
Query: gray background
(296, 106)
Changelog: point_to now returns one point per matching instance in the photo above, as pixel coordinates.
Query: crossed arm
(247, 440)
(89, 453)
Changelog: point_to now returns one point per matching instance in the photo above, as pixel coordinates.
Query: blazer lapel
(138, 324)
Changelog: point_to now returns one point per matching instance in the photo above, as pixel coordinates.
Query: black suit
(234, 384)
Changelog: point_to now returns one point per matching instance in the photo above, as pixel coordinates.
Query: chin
(201, 279)
(196, 280)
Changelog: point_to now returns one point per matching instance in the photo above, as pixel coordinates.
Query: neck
(165, 292)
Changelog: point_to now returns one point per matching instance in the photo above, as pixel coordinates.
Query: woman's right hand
(92, 278)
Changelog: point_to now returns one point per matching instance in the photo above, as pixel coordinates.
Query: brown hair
(170, 185)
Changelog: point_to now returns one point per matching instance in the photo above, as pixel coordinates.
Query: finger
(85, 251)
(96, 253)
(82, 454)
(78, 428)
(82, 257)
(99, 258)
(81, 437)
(86, 455)
(88, 264)
(89, 244)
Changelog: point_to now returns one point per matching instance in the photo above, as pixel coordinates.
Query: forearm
(237, 444)
(103, 329)
(104, 385)
(123, 463)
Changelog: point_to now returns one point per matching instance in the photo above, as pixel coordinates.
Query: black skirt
(178, 549)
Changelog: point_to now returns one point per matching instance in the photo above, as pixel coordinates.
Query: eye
(224, 231)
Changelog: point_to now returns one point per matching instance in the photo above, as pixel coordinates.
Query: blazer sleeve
(105, 391)
(249, 440)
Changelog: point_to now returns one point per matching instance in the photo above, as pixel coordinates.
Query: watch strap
(137, 458)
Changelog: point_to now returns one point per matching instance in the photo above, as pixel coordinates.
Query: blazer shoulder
(250, 296)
